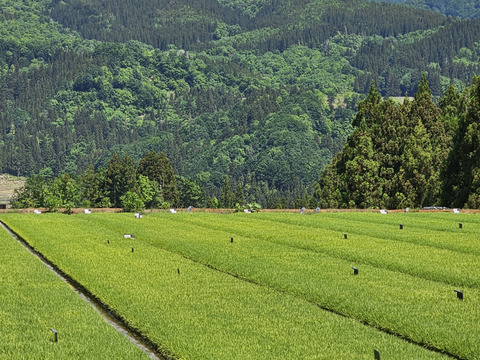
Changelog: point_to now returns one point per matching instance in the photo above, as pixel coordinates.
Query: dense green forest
(261, 93)
(466, 9)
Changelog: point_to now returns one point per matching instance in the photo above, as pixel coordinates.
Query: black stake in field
(132, 249)
(355, 270)
(55, 334)
(108, 241)
(459, 294)
(178, 271)
(231, 239)
(376, 354)
(460, 225)
(401, 226)
(344, 235)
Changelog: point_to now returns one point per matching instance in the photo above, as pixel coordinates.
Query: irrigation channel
(112, 319)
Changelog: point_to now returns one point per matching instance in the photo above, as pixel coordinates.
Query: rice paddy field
(263, 286)
(34, 301)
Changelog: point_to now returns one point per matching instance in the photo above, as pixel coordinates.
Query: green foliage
(190, 192)
(461, 8)
(131, 201)
(213, 203)
(92, 189)
(53, 194)
(121, 184)
(227, 196)
(254, 207)
(158, 168)
(120, 178)
(248, 7)
(394, 157)
(149, 192)
(30, 195)
(461, 186)
(263, 92)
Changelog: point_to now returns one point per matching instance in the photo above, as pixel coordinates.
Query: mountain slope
(263, 92)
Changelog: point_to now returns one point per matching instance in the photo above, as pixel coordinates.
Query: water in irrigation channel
(88, 298)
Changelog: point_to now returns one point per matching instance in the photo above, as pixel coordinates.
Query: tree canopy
(263, 92)
(413, 154)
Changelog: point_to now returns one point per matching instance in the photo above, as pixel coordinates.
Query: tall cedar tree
(392, 159)
(120, 177)
(461, 180)
(227, 196)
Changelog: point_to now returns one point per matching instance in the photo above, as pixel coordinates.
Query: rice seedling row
(41, 317)
(439, 230)
(421, 310)
(189, 309)
(410, 258)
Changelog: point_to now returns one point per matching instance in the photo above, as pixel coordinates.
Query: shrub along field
(284, 287)
(34, 300)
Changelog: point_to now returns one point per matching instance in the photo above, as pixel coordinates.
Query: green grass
(262, 295)
(34, 300)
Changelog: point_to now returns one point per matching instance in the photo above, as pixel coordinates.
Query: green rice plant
(34, 301)
(375, 244)
(195, 311)
(440, 230)
(422, 310)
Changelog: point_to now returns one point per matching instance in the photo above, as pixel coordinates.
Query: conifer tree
(239, 197)
(92, 189)
(120, 177)
(393, 158)
(461, 180)
(227, 197)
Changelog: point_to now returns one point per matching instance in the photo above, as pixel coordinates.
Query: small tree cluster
(151, 184)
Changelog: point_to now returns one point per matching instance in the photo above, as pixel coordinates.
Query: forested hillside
(466, 9)
(261, 93)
